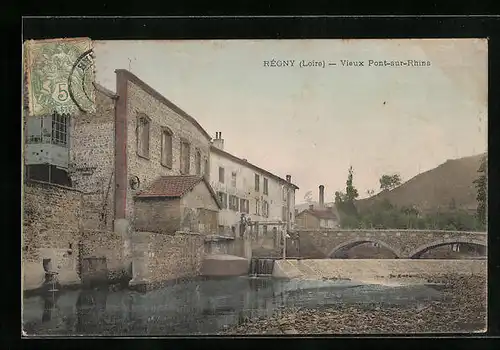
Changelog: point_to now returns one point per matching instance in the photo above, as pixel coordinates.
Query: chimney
(321, 196)
(289, 178)
(219, 141)
(311, 206)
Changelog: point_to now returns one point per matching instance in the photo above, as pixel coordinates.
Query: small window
(166, 148)
(257, 183)
(285, 193)
(257, 207)
(60, 129)
(233, 179)
(207, 169)
(198, 162)
(233, 203)
(266, 186)
(265, 209)
(222, 199)
(185, 157)
(284, 214)
(143, 125)
(221, 175)
(244, 207)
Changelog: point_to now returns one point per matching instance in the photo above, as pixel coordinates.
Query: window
(284, 214)
(221, 175)
(284, 193)
(207, 169)
(222, 199)
(185, 157)
(266, 186)
(257, 183)
(198, 162)
(265, 209)
(166, 148)
(233, 179)
(60, 129)
(53, 129)
(257, 207)
(244, 207)
(143, 125)
(233, 202)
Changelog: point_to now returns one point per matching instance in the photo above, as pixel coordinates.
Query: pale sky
(313, 123)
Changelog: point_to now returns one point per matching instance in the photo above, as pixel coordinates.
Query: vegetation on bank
(384, 215)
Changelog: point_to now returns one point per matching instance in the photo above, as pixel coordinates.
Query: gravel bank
(463, 310)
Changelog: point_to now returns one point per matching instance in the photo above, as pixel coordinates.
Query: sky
(315, 122)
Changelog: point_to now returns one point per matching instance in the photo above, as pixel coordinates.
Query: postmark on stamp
(60, 76)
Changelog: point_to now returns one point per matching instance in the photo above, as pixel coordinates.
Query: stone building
(174, 203)
(318, 218)
(244, 189)
(135, 141)
(136, 138)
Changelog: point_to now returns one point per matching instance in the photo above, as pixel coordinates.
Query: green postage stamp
(59, 76)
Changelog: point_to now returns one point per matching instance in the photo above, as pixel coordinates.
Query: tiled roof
(171, 186)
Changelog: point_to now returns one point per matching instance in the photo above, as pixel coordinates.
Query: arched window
(166, 147)
(143, 123)
(198, 162)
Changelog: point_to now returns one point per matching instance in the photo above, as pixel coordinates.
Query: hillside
(433, 189)
(436, 188)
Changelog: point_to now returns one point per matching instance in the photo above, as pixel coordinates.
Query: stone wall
(161, 258)
(157, 215)
(109, 245)
(51, 230)
(199, 210)
(92, 161)
(142, 99)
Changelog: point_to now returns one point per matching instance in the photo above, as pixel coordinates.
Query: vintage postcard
(254, 187)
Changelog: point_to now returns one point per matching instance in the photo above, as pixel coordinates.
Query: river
(199, 307)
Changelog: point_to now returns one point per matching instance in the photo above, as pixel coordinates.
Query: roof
(321, 214)
(133, 78)
(248, 164)
(175, 187)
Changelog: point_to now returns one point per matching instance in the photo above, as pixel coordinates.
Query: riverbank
(462, 309)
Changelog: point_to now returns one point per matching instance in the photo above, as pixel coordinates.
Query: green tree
(345, 202)
(388, 182)
(481, 183)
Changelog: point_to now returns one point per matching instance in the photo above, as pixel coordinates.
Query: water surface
(199, 307)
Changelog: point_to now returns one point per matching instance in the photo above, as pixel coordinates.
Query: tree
(481, 183)
(345, 202)
(308, 197)
(388, 182)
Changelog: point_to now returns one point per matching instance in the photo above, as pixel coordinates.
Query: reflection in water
(197, 307)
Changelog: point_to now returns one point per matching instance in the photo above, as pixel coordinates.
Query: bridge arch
(416, 253)
(357, 241)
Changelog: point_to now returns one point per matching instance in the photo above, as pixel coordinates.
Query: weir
(261, 267)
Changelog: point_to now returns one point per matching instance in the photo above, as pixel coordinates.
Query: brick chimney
(321, 196)
(218, 141)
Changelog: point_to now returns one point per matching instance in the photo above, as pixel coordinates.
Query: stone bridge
(405, 244)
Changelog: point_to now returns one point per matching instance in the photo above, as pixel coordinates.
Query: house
(318, 218)
(135, 140)
(173, 203)
(247, 191)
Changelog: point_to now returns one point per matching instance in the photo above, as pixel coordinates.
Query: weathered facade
(174, 203)
(245, 189)
(318, 218)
